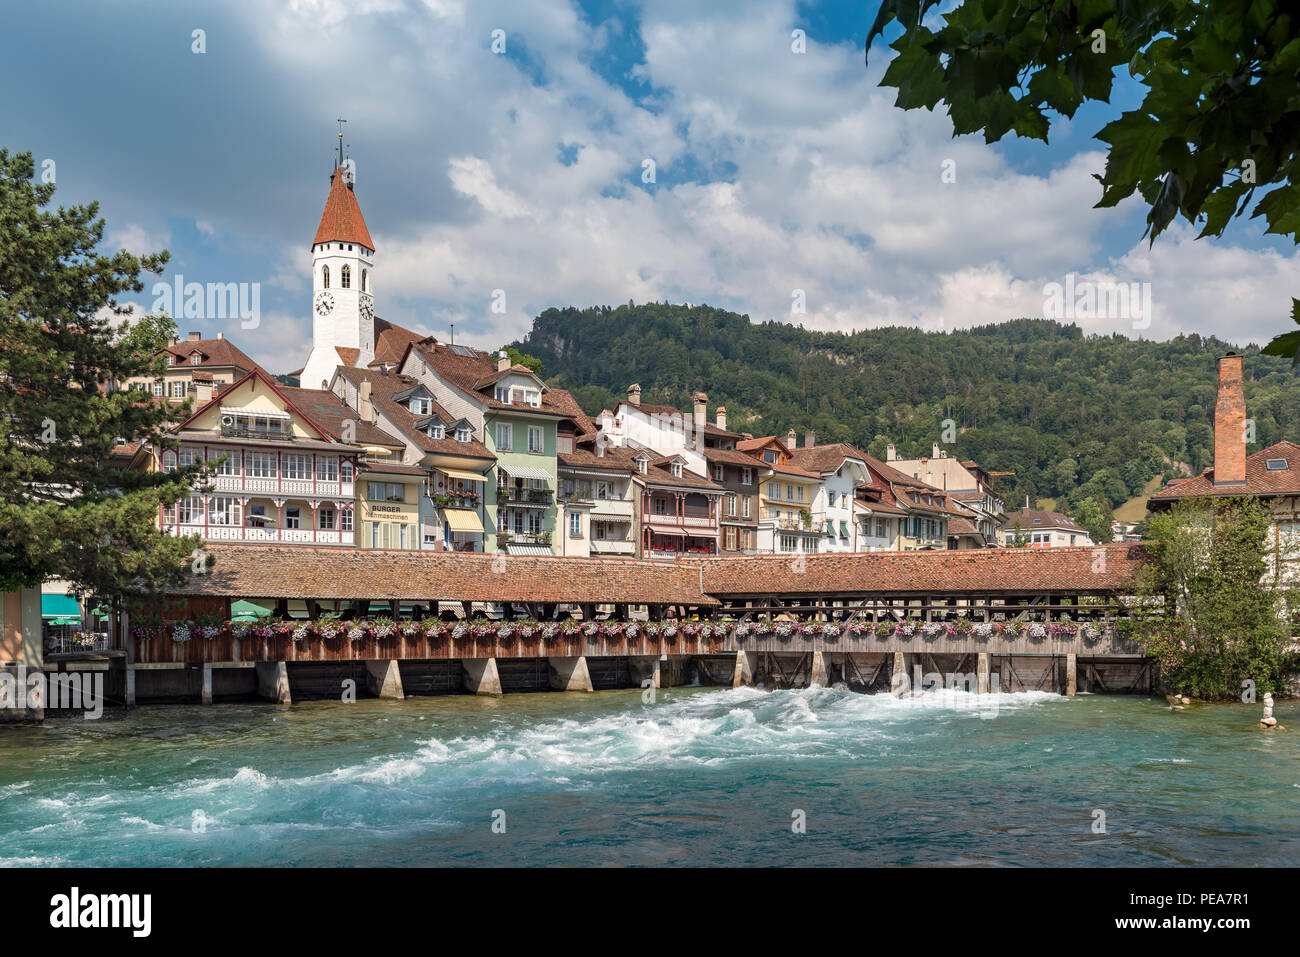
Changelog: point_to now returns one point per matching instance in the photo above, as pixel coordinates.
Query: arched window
(346, 281)
(365, 280)
(325, 277)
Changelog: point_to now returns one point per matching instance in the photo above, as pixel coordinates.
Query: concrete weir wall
(868, 672)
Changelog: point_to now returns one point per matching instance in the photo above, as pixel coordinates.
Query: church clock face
(324, 304)
(367, 307)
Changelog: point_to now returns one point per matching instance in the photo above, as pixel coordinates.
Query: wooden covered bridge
(400, 623)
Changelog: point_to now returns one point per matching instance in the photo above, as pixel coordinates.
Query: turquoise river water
(698, 777)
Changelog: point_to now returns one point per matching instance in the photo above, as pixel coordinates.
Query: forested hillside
(1073, 417)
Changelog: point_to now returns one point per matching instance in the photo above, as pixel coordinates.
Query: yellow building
(281, 478)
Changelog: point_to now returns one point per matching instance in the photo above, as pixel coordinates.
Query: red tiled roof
(614, 459)
(750, 445)
(258, 571)
(1003, 570)
(825, 458)
(214, 352)
(348, 354)
(735, 457)
(1260, 480)
(392, 340)
(1032, 518)
(383, 388)
(468, 373)
(342, 220)
(329, 412)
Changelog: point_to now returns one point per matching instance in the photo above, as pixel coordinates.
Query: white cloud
(825, 186)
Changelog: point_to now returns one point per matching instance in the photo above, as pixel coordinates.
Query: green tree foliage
(1210, 603)
(1220, 119)
(519, 359)
(63, 512)
(1095, 516)
(1034, 397)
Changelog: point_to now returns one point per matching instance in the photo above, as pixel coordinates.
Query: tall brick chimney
(1230, 424)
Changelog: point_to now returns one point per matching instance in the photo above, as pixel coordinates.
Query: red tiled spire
(342, 220)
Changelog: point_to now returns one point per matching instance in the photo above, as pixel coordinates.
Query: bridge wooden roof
(1106, 569)
(302, 571)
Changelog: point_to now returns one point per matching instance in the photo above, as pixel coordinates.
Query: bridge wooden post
(982, 673)
(205, 691)
(383, 679)
(273, 682)
(742, 675)
(898, 680)
(817, 670)
(1071, 676)
(481, 676)
(570, 674)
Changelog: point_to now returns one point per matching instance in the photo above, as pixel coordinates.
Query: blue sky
(774, 171)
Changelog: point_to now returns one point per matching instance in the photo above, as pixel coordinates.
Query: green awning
(844, 529)
(248, 611)
(830, 528)
(60, 606)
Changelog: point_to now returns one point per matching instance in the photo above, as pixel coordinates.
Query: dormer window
(195, 359)
(1278, 465)
(533, 397)
(420, 405)
(437, 431)
(677, 469)
(463, 434)
(171, 360)
(502, 394)
(642, 464)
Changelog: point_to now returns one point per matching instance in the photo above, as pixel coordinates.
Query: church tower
(343, 275)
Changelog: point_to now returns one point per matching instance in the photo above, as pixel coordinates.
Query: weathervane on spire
(341, 122)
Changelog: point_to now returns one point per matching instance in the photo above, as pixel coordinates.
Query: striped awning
(463, 520)
(513, 549)
(461, 474)
(526, 472)
(261, 413)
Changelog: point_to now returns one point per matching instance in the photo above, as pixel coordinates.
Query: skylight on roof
(1278, 465)
(462, 351)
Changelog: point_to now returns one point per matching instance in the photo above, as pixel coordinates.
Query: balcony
(670, 521)
(524, 497)
(263, 534)
(606, 546)
(249, 432)
(272, 485)
(524, 538)
(456, 501)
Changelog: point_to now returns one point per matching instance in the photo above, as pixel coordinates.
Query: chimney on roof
(809, 439)
(934, 450)
(891, 453)
(194, 336)
(721, 417)
(221, 335)
(503, 361)
(1230, 424)
(701, 412)
(791, 440)
(365, 407)
(634, 394)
